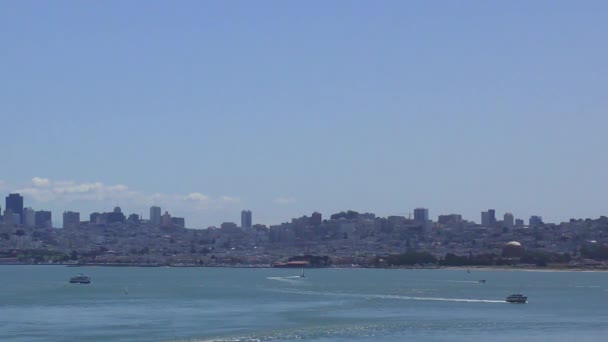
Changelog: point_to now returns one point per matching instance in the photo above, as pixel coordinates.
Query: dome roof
(513, 244)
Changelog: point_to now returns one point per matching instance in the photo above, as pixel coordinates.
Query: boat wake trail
(464, 281)
(585, 286)
(399, 297)
(289, 279)
(441, 299)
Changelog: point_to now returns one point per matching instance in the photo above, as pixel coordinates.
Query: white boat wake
(400, 297)
(289, 279)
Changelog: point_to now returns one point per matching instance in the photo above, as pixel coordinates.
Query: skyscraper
(535, 221)
(71, 219)
(14, 202)
(421, 215)
(488, 218)
(44, 219)
(165, 220)
(246, 219)
(316, 219)
(508, 220)
(178, 221)
(8, 218)
(29, 219)
(155, 216)
(492, 216)
(485, 219)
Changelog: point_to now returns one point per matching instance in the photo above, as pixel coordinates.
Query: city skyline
(289, 108)
(32, 216)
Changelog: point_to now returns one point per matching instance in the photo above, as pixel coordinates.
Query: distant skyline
(284, 108)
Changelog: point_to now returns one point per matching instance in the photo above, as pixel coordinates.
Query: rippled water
(213, 304)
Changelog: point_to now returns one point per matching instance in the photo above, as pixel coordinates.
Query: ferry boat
(80, 279)
(516, 298)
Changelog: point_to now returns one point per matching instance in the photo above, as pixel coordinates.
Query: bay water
(264, 304)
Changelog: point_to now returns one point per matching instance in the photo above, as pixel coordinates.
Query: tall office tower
(178, 221)
(508, 220)
(30, 217)
(133, 218)
(71, 219)
(8, 219)
(155, 216)
(421, 215)
(485, 219)
(246, 219)
(44, 219)
(14, 202)
(492, 216)
(316, 219)
(165, 220)
(535, 221)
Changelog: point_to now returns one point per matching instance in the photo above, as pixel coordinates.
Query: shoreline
(451, 268)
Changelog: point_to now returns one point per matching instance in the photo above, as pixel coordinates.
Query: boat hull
(517, 300)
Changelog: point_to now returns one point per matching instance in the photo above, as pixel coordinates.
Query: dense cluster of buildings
(15, 214)
(348, 238)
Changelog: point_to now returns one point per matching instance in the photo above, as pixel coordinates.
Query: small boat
(516, 298)
(302, 274)
(80, 279)
(483, 281)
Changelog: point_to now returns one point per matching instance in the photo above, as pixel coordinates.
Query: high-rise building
(14, 202)
(44, 219)
(155, 216)
(449, 219)
(492, 216)
(535, 221)
(316, 219)
(114, 216)
(8, 218)
(133, 218)
(488, 218)
(246, 219)
(71, 219)
(95, 218)
(519, 222)
(508, 220)
(179, 221)
(229, 227)
(29, 219)
(421, 215)
(165, 220)
(485, 219)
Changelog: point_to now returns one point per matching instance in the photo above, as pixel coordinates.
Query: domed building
(513, 249)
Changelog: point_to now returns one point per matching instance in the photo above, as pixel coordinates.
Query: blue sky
(284, 108)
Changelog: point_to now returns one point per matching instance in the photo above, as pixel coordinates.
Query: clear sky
(285, 107)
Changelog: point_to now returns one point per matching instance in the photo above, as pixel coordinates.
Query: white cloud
(284, 200)
(197, 196)
(41, 182)
(46, 190)
(229, 200)
(203, 202)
